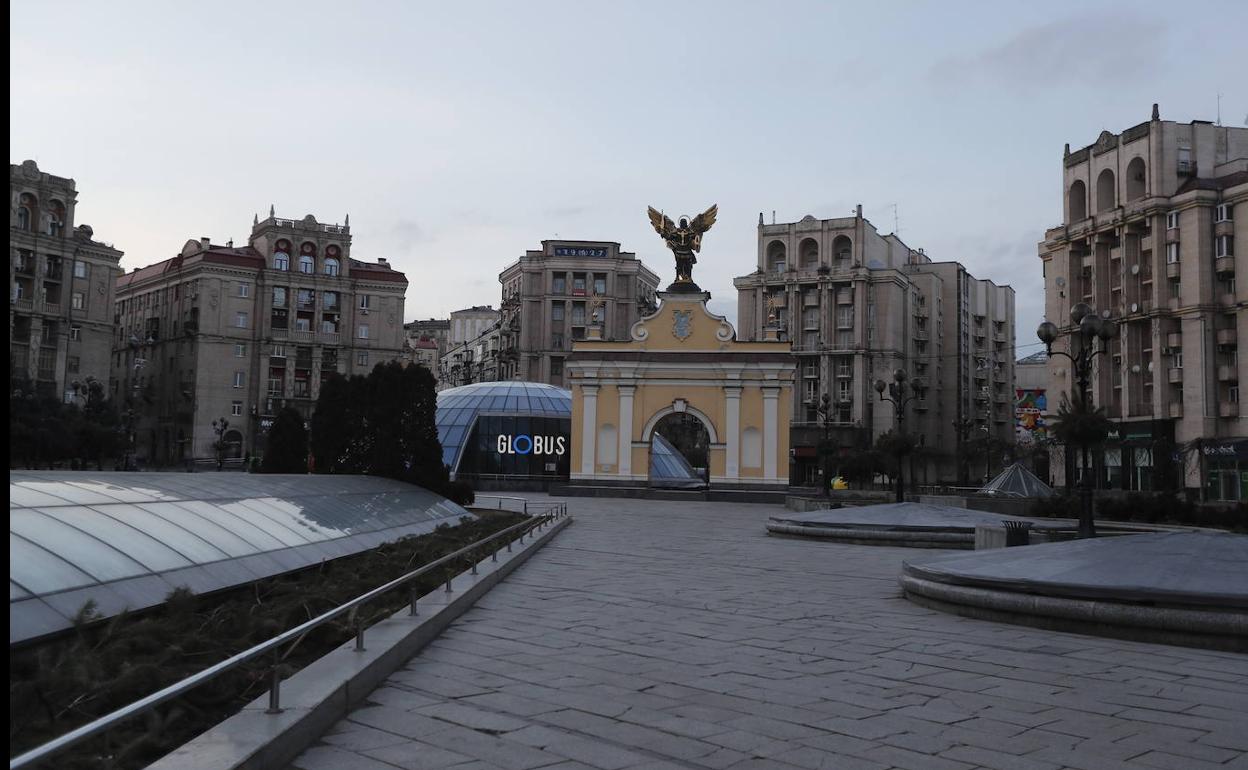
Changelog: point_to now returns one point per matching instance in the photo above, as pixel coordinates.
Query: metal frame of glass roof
(125, 540)
(459, 408)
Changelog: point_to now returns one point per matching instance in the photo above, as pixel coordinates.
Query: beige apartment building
(546, 303)
(473, 349)
(857, 305)
(1151, 220)
(236, 333)
(60, 288)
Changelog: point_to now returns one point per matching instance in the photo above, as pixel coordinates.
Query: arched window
(1106, 196)
(26, 210)
(307, 258)
(56, 218)
(808, 249)
(776, 262)
(843, 251)
(1077, 202)
(332, 266)
(1135, 179)
(281, 256)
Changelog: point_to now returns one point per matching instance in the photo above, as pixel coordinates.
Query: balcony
(1172, 269)
(1228, 409)
(23, 304)
(1228, 373)
(1224, 265)
(1226, 337)
(52, 307)
(1176, 410)
(1175, 376)
(1174, 340)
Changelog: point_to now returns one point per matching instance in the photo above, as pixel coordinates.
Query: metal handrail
(143, 705)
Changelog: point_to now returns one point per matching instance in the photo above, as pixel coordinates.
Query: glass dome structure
(126, 540)
(507, 429)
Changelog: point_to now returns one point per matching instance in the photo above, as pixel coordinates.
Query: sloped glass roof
(669, 468)
(125, 540)
(458, 409)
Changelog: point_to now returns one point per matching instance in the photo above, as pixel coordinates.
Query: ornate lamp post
(898, 397)
(1088, 328)
(220, 427)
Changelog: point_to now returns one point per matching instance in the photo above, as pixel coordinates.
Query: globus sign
(524, 444)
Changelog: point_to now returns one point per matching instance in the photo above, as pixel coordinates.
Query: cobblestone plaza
(664, 635)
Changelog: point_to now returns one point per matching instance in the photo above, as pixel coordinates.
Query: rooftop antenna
(896, 222)
(773, 216)
(1219, 108)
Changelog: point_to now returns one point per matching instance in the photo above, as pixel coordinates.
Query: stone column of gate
(732, 431)
(625, 467)
(771, 427)
(589, 428)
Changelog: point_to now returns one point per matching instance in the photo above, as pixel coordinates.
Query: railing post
(359, 635)
(412, 591)
(494, 555)
(275, 686)
(448, 582)
(474, 564)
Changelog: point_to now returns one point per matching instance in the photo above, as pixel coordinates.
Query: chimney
(859, 210)
(1156, 112)
(204, 243)
(382, 261)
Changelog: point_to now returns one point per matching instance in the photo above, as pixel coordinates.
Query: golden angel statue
(684, 240)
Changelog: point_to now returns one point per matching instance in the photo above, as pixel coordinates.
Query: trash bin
(1017, 533)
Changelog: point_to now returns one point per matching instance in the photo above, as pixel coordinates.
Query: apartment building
(1151, 220)
(436, 329)
(473, 351)
(857, 305)
(61, 284)
(546, 302)
(234, 334)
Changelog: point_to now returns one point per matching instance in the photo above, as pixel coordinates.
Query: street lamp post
(898, 397)
(220, 427)
(1088, 327)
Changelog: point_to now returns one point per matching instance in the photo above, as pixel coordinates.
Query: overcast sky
(458, 135)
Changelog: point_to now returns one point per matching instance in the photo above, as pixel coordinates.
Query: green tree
(286, 449)
(1076, 425)
(333, 425)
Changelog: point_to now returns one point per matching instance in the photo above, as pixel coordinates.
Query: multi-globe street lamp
(900, 394)
(1088, 328)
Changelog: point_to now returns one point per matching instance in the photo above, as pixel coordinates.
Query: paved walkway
(664, 635)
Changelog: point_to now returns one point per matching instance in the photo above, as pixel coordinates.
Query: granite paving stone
(664, 635)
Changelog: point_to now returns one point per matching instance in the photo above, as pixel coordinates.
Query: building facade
(61, 285)
(220, 333)
(473, 352)
(1151, 220)
(857, 305)
(436, 329)
(546, 302)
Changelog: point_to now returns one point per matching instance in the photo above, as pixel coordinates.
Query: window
(75, 333)
(240, 319)
(275, 385)
(1224, 246)
(281, 261)
(362, 331)
(236, 408)
(1175, 289)
(279, 351)
(366, 301)
(578, 283)
(559, 285)
(1186, 166)
(1223, 213)
(80, 269)
(1172, 220)
(307, 297)
(556, 341)
(1172, 253)
(73, 364)
(1232, 394)
(303, 324)
(244, 290)
(845, 316)
(556, 367)
(329, 299)
(78, 300)
(332, 266)
(600, 283)
(361, 359)
(307, 264)
(239, 379)
(279, 296)
(556, 311)
(844, 339)
(240, 351)
(844, 390)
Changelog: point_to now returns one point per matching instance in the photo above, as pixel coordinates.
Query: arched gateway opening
(680, 452)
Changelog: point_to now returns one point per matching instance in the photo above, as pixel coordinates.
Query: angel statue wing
(702, 222)
(663, 225)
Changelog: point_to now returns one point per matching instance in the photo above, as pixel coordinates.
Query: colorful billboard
(1029, 413)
